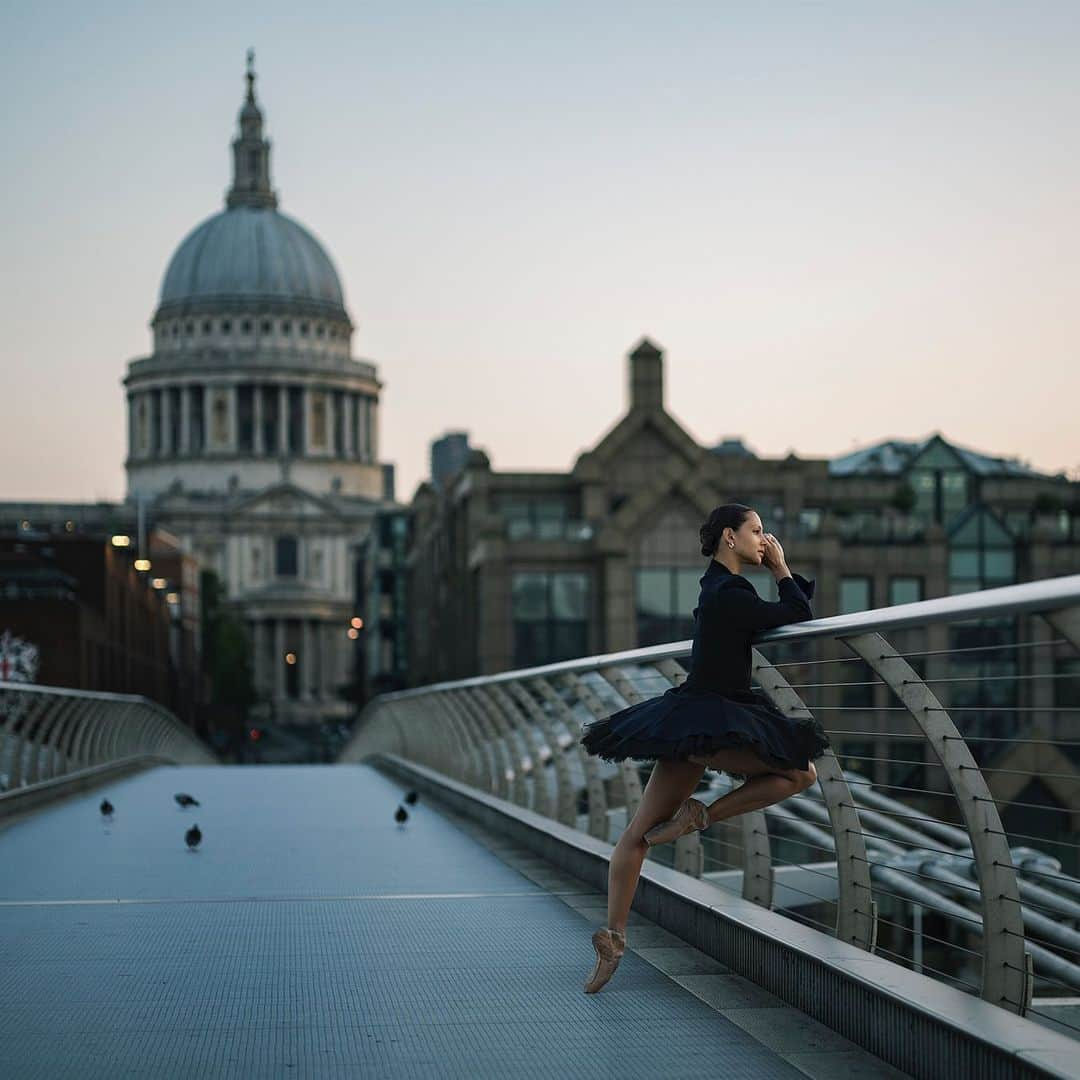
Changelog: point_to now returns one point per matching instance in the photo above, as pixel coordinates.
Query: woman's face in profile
(750, 540)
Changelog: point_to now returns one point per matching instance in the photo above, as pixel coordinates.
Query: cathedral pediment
(284, 500)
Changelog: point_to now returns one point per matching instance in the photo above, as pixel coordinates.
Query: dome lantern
(251, 153)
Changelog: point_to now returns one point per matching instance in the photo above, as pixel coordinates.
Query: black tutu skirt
(683, 723)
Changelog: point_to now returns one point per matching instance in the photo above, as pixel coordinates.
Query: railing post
(1004, 975)
(502, 703)
(565, 796)
(856, 910)
(628, 774)
(594, 784)
(505, 739)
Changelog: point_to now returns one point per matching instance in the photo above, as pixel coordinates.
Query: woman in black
(713, 720)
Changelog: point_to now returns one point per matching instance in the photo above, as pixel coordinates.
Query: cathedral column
(373, 430)
(256, 420)
(207, 417)
(259, 655)
(283, 420)
(233, 413)
(185, 420)
(132, 427)
(307, 659)
(165, 435)
(326, 657)
(356, 424)
(279, 659)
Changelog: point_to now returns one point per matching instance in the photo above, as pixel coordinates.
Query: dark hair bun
(730, 515)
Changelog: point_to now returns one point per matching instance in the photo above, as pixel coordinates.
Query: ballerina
(713, 720)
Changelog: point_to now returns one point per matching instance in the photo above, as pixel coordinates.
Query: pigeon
(411, 798)
(401, 815)
(185, 800)
(193, 836)
(106, 808)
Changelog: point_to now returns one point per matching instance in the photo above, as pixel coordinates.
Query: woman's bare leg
(669, 785)
(765, 784)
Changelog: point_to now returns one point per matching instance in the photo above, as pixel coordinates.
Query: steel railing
(48, 732)
(972, 700)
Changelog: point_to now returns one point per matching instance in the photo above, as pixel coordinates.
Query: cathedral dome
(249, 254)
(250, 257)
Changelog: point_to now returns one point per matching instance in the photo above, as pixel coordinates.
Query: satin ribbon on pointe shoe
(692, 816)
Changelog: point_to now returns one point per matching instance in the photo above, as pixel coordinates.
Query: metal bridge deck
(311, 936)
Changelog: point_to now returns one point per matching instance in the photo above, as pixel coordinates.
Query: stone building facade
(512, 570)
(605, 557)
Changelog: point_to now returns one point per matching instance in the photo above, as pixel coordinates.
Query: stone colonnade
(267, 419)
(318, 649)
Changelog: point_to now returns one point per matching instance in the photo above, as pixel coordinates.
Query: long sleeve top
(728, 614)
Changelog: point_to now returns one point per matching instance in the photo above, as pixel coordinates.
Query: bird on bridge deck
(106, 808)
(193, 836)
(185, 800)
(411, 798)
(401, 815)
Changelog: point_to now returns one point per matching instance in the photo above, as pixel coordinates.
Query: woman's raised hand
(774, 554)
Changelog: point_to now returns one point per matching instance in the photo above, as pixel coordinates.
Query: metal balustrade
(900, 848)
(49, 732)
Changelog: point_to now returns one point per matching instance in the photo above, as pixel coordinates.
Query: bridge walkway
(310, 935)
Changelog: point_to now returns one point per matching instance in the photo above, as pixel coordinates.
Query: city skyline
(839, 230)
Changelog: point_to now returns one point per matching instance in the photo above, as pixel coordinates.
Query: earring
(731, 545)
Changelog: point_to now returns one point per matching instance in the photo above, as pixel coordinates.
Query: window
(764, 583)
(207, 326)
(303, 329)
(535, 518)
(550, 616)
(941, 483)
(286, 558)
(810, 518)
(226, 326)
(245, 326)
(265, 327)
(286, 326)
(981, 553)
(855, 594)
(905, 590)
(665, 598)
(320, 330)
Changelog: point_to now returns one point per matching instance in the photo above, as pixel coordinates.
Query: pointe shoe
(610, 946)
(692, 816)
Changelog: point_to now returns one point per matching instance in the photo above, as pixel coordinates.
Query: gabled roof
(894, 456)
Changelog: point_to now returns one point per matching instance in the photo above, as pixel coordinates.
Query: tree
(226, 656)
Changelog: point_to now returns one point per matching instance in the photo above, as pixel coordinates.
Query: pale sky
(842, 221)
